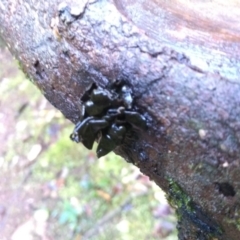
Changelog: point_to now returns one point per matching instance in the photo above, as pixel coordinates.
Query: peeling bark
(187, 88)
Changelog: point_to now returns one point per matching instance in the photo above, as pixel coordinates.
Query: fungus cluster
(107, 116)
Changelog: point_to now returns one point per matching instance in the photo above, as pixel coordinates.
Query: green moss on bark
(190, 212)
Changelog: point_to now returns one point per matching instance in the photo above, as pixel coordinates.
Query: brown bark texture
(183, 69)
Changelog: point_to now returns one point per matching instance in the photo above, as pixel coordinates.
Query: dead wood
(181, 59)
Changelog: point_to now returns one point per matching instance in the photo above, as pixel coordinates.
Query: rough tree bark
(182, 61)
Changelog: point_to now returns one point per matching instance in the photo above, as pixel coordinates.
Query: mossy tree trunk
(181, 59)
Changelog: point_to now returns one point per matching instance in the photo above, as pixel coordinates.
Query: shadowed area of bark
(188, 92)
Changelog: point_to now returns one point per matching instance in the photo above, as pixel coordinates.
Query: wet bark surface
(188, 91)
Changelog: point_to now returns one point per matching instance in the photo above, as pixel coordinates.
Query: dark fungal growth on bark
(108, 117)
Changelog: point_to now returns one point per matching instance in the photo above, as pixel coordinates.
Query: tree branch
(191, 100)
